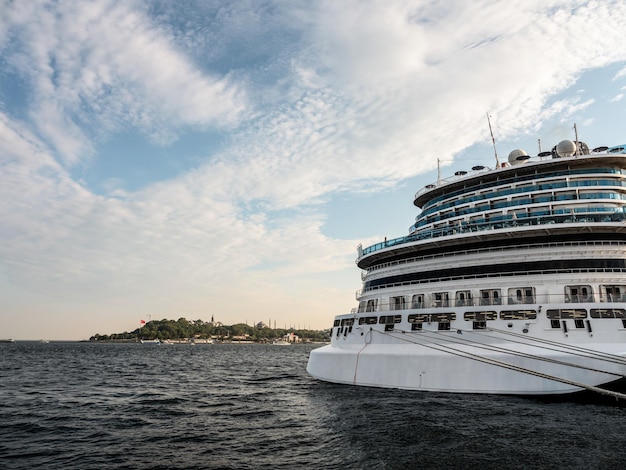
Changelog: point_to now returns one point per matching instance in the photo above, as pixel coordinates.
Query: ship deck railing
(601, 216)
(507, 302)
(463, 175)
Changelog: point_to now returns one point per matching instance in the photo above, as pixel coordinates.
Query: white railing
(501, 303)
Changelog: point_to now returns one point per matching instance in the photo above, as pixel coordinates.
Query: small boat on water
(150, 341)
(511, 281)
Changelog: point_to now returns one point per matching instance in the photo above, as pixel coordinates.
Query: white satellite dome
(518, 156)
(566, 148)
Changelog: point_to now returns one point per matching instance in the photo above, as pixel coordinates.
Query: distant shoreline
(128, 341)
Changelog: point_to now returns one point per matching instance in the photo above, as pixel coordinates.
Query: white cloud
(102, 66)
(389, 83)
(621, 73)
(175, 241)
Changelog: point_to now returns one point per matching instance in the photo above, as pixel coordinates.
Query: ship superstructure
(511, 280)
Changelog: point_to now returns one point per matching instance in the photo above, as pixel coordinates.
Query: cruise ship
(511, 281)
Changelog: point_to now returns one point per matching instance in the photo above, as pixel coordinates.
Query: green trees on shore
(183, 328)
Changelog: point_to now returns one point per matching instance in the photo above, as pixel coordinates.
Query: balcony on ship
(513, 297)
(580, 215)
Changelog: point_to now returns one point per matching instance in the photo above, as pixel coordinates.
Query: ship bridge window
(480, 316)
(419, 318)
(397, 303)
(490, 297)
(521, 295)
(368, 320)
(464, 298)
(362, 306)
(372, 305)
(608, 313)
(389, 319)
(518, 315)
(565, 313)
(443, 317)
(336, 323)
(575, 294)
(418, 301)
(431, 317)
(440, 299)
(554, 180)
(347, 322)
(615, 293)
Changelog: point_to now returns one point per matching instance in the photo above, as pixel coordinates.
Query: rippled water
(83, 405)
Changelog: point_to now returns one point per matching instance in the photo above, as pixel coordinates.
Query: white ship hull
(399, 363)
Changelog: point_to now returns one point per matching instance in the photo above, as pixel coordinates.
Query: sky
(224, 159)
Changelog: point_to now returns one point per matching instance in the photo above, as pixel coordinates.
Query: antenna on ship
(438, 170)
(493, 140)
(539, 142)
(576, 135)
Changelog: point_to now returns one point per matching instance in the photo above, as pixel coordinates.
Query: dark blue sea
(134, 406)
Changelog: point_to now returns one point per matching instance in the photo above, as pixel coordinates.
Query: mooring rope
(491, 347)
(495, 362)
(562, 347)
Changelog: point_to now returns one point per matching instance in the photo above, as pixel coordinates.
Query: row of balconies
(544, 217)
(529, 300)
